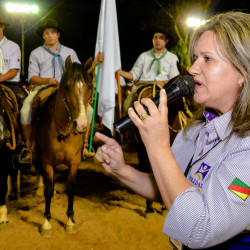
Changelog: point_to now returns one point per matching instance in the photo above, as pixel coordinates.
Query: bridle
(62, 137)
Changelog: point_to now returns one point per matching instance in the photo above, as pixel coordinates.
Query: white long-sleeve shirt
(12, 57)
(40, 62)
(141, 70)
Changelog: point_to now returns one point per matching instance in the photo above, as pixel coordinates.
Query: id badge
(176, 244)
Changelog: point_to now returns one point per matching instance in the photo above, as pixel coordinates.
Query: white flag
(107, 42)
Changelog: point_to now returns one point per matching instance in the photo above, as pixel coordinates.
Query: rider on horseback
(10, 64)
(157, 65)
(46, 66)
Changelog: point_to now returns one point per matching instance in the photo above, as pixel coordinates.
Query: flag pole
(94, 109)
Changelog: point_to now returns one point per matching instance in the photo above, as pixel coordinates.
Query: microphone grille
(186, 84)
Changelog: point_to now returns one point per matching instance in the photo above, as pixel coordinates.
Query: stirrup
(85, 152)
(28, 156)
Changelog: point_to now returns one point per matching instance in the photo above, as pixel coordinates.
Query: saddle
(41, 101)
(128, 102)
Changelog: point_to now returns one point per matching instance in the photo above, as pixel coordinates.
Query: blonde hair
(232, 31)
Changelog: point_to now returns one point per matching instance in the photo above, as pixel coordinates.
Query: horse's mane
(77, 72)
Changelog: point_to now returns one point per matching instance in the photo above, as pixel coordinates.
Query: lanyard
(190, 162)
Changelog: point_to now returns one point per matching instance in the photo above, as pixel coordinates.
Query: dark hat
(6, 25)
(161, 30)
(49, 23)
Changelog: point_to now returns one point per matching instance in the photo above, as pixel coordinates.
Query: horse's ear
(68, 62)
(87, 65)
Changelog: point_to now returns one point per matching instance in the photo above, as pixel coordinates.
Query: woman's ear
(241, 80)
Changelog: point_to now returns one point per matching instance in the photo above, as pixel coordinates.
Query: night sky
(79, 20)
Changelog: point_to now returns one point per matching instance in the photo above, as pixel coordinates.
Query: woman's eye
(207, 59)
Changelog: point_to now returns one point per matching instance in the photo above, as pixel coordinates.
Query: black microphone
(176, 88)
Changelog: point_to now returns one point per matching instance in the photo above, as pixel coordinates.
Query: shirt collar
(3, 41)
(221, 123)
(50, 49)
(159, 55)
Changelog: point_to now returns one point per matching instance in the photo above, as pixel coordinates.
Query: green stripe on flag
(240, 188)
(240, 183)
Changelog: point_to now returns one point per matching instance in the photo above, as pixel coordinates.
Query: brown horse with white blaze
(59, 134)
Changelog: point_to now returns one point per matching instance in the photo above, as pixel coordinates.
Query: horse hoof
(46, 228)
(70, 229)
(4, 226)
(3, 216)
(46, 233)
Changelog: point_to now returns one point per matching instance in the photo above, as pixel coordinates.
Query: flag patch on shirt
(240, 189)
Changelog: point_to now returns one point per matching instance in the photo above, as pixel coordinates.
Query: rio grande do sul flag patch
(240, 189)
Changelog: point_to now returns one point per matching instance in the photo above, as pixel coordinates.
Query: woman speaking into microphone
(204, 178)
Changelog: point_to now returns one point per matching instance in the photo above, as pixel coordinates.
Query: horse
(59, 135)
(10, 138)
(179, 114)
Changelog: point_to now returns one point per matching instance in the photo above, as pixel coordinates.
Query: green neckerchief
(158, 60)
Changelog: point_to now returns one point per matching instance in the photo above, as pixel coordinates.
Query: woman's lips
(198, 85)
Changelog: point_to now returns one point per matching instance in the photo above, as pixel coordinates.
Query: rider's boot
(27, 157)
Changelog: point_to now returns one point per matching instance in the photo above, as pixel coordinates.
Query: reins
(60, 136)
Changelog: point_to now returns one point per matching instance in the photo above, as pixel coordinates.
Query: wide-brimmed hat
(160, 30)
(6, 25)
(49, 23)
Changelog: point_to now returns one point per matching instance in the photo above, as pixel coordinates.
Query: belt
(240, 241)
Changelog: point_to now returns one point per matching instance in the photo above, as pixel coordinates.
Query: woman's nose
(194, 69)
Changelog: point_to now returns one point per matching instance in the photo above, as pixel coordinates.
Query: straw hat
(6, 25)
(49, 23)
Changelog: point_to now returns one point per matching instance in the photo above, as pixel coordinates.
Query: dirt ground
(108, 216)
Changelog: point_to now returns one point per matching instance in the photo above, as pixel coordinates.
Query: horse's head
(74, 87)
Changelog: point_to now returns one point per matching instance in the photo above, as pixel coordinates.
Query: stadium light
(23, 9)
(194, 22)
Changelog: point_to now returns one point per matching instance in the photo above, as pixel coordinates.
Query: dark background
(79, 20)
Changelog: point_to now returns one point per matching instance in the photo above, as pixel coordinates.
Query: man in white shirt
(10, 63)
(157, 65)
(46, 65)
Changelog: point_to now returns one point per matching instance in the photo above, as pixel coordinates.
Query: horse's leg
(3, 193)
(48, 193)
(13, 184)
(40, 186)
(70, 189)
(39, 173)
(144, 166)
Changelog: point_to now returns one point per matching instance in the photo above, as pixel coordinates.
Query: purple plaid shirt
(211, 212)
